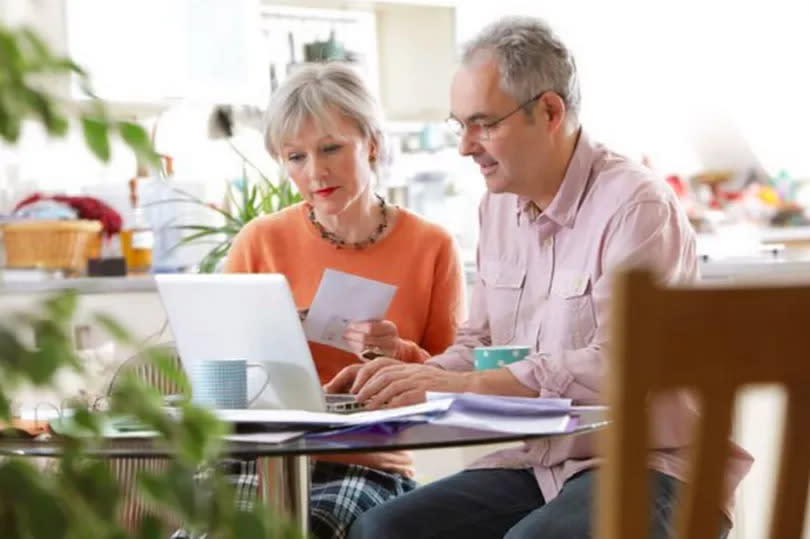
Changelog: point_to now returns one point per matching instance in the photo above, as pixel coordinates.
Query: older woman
(325, 129)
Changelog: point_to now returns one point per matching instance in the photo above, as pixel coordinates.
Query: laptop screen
(244, 316)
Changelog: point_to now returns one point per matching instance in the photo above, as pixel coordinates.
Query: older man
(561, 212)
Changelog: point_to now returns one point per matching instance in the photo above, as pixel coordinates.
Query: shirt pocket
(570, 322)
(503, 286)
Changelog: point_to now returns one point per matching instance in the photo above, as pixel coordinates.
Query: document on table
(504, 405)
(517, 415)
(342, 298)
(495, 413)
(282, 419)
(264, 437)
(513, 424)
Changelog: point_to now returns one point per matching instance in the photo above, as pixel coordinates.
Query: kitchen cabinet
(153, 51)
(405, 50)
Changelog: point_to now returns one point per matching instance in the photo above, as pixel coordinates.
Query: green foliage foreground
(79, 497)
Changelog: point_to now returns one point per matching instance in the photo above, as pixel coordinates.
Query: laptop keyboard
(343, 404)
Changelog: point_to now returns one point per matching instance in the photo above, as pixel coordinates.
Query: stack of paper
(501, 404)
(482, 412)
(305, 420)
(515, 415)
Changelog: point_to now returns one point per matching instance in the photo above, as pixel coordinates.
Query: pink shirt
(544, 281)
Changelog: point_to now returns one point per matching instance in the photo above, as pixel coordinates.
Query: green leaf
(38, 47)
(49, 357)
(10, 125)
(58, 125)
(13, 355)
(137, 139)
(87, 421)
(113, 328)
(249, 526)
(234, 204)
(62, 306)
(96, 135)
(24, 488)
(150, 527)
(92, 482)
(5, 405)
(155, 488)
(212, 259)
(39, 103)
(166, 363)
(69, 65)
(10, 55)
(133, 134)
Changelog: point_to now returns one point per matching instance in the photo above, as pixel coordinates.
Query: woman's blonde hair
(314, 92)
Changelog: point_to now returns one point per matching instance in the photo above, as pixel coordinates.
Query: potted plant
(79, 497)
(245, 200)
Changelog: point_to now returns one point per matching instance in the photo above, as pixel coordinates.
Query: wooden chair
(712, 341)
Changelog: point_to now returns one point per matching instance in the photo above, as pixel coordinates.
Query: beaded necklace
(339, 242)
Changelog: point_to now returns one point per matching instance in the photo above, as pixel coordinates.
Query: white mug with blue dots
(495, 357)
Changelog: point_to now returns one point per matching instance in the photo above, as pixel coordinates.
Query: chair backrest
(711, 341)
(133, 505)
(142, 365)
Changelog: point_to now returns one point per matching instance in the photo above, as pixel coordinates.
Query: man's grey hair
(315, 92)
(531, 59)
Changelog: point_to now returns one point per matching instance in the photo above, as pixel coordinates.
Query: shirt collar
(565, 204)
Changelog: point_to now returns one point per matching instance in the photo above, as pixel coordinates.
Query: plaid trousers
(339, 493)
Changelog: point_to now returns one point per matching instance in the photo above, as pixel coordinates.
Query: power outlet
(82, 337)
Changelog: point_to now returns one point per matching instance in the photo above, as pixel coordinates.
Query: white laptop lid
(244, 316)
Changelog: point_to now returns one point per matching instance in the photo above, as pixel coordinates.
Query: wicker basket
(49, 244)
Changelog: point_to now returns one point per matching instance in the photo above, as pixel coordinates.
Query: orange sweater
(418, 257)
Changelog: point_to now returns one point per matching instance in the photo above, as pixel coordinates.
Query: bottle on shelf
(137, 236)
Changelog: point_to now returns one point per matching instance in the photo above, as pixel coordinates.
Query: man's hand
(378, 336)
(401, 384)
(356, 375)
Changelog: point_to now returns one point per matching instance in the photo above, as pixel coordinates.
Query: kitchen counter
(14, 284)
(749, 252)
(765, 268)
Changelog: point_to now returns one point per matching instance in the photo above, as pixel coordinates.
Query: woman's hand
(380, 337)
(388, 461)
(352, 378)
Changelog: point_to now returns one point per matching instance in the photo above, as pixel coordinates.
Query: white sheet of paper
(342, 298)
(303, 417)
(504, 404)
(552, 424)
(264, 437)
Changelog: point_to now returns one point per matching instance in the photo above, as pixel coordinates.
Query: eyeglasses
(479, 130)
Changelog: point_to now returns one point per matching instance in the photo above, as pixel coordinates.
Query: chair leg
(284, 485)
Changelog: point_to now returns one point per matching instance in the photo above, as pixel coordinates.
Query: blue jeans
(494, 503)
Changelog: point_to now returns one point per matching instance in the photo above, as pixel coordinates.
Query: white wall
(657, 75)
(414, 87)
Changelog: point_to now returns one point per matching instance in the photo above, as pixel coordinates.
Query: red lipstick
(325, 192)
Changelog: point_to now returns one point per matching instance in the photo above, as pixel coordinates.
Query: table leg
(285, 483)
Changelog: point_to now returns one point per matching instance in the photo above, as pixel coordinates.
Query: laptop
(252, 317)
